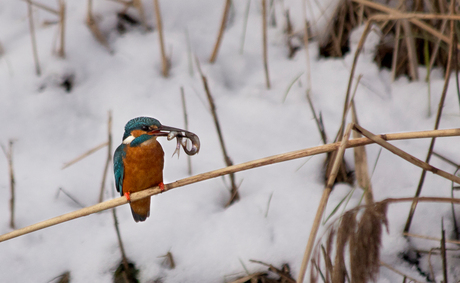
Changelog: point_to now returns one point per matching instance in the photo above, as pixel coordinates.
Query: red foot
(128, 196)
(162, 186)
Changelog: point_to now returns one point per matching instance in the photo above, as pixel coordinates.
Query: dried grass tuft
(365, 243)
(360, 229)
(344, 232)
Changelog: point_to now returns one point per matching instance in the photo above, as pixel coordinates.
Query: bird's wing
(119, 168)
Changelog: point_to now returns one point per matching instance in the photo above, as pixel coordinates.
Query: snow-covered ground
(209, 243)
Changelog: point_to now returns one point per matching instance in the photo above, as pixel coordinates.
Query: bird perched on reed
(139, 160)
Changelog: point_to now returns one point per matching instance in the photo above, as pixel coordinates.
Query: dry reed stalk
(9, 156)
(264, 43)
(234, 196)
(361, 166)
(220, 35)
(322, 204)
(164, 59)
(412, 17)
(32, 36)
(124, 259)
(394, 60)
(237, 168)
(438, 40)
(430, 238)
(411, 50)
(438, 120)
(307, 52)
(92, 25)
(109, 156)
(318, 120)
(61, 50)
(250, 277)
(43, 7)
(399, 272)
(184, 108)
(89, 152)
(406, 156)
(61, 14)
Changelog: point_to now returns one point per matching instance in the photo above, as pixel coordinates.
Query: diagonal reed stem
(224, 171)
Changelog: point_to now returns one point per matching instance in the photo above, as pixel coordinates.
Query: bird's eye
(145, 128)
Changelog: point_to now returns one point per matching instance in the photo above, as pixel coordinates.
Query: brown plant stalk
(232, 169)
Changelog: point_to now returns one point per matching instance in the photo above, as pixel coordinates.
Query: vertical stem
(234, 189)
(61, 51)
(264, 44)
(452, 49)
(221, 31)
(322, 204)
(109, 156)
(12, 183)
(443, 252)
(120, 242)
(32, 36)
(245, 25)
(184, 107)
(164, 59)
(9, 156)
(306, 43)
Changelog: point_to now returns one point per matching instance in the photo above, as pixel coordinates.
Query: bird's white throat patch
(128, 140)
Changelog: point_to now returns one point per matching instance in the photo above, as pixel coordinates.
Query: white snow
(209, 243)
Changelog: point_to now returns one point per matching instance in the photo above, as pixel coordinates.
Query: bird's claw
(127, 196)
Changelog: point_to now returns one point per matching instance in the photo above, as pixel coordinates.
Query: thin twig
(69, 196)
(264, 42)
(89, 152)
(322, 204)
(184, 108)
(232, 169)
(164, 59)
(234, 189)
(430, 238)
(220, 35)
(318, 120)
(438, 120)
(109, 156)
(32, 36)
(443, 252)
(245, 25)
(9, 156)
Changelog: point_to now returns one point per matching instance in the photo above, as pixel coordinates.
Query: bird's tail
(141, 209)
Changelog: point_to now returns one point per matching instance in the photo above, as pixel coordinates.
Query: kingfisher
(139, 160)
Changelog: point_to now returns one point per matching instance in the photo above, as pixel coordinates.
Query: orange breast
(143, 168)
